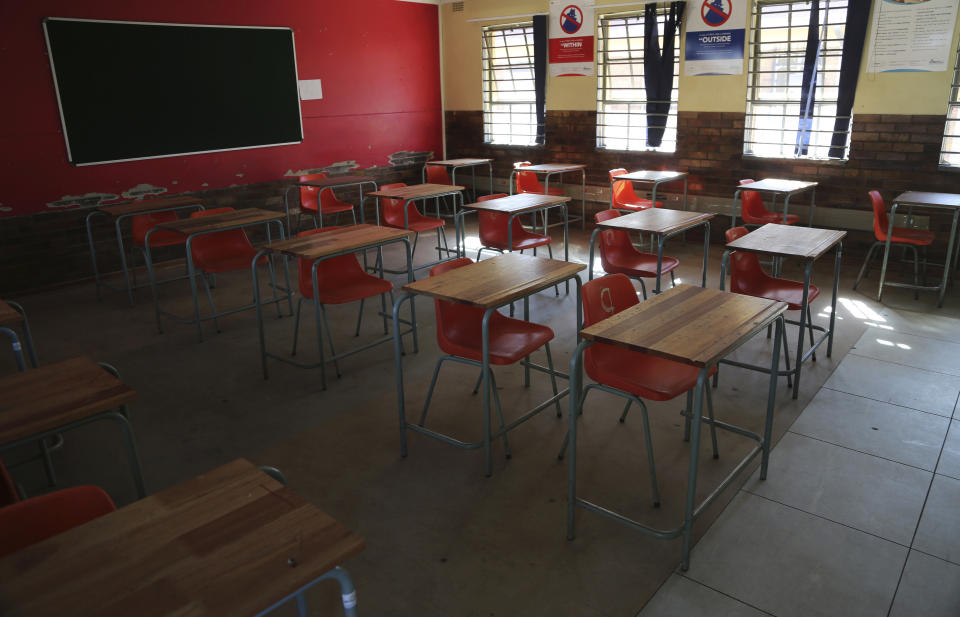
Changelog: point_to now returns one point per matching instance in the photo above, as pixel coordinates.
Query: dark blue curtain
(809, 88)
(658, 67)
(858, 14)
(540, 74)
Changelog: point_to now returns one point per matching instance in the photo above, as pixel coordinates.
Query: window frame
(953, 106)
(489, 92)
(634, 61)
(821, 133)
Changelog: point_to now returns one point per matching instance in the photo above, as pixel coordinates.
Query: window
(950, 151)
(509, 97)
(621, 94)
(773, 125)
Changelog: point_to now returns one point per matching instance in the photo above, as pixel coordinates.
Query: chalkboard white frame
(63, 124)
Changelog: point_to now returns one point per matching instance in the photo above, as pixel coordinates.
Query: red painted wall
(378, 59)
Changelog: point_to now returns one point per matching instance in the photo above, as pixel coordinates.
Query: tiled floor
(860, 514)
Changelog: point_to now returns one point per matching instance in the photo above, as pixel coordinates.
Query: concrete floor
(441, 538)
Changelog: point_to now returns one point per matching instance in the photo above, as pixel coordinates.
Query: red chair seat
(341, 279)
(551, 191)
(645, 376)
(753, 211)
(393, 213)
(637, 206)
(222, 251)
(639, 264)
(770, 217)
(329, 204)
(39, 518)
(905, 235)
(781, 290)
(493, 232)
(142, 223)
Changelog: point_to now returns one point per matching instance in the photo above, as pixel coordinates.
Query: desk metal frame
(323, 185)
(546, 187)
(678, 175)
(457, 196)
(942, 287)
(15, 339)
(786, 202)
(453, 172)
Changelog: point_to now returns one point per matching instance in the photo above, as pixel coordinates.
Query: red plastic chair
(632, 375)
(624, 197)
(459, 334)
(339, 280)
(619, 256)
(321, 201)
(8, 491)
(437, 174)
(754, 213)
(392, 216)
(528, 182)
(904, 236)
(748, 278)
(493, 231)
(38, 518)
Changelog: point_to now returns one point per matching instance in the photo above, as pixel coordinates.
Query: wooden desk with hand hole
(327, 245)
(122, 211)
(806, 244)
(487, 285)
(662, 223)
(654, 178)
(694, 326)
(937, 201)
(193, 227)
(777, 186)
(232, 541)
(454, 164)
(58, 397)
(333, 182)
(553, 169)
(12, 315)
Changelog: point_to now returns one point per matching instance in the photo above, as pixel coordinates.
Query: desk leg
(485, 367)
(660, 242)
(566, 240)
(27, 336)
(93, 251)
(286, 207)
(886, 252)
(946, 263)
(833, 300)
(123, 260)
(153, 279)
(490, 172)
(576, 387)
(132, 454)
(510, 181)
(593, 239)
(706, 253)
(684, 193)
(772, 398)
(318, 319)
(690, 503)
(192, 273)
(398, 366)
(583, 199)
(733, 209)
(17, 348)
(259, 310)
(804, 307)
(813, 205)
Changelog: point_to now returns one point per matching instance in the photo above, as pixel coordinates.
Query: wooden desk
(515, 205)
(454, 164)
(654, 178)
(777, 187)
(937, 201)
(327, 245)
(420, 192)
(54, 398)
(487, 285)
(553, 169)
(232, 541)
(122, 211)
(193, 227)
(12, 314)
(806, 244)
(662, 223)
(333, 182)
(693, 326)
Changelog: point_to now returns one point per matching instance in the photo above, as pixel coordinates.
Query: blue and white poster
(912, 35)
(716, 33)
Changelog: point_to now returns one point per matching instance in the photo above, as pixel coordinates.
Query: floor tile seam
(853, 350)
(877, 456)
(687, 576)
(922, 552)
(863, 396)
(828, 519)
(926, 336)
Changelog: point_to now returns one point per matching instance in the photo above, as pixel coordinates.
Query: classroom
(480, 308)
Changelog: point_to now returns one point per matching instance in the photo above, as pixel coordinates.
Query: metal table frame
(319, 315)
(453, 173)
(692, 510)
(15, 339)
(786, 203)
(942, 287)
(192, 274)
(546, 187)
(485, 379)
(321, 185)
(348, 594)
(827, 333)
(678, 175)
(123, 255)
(457, 195)
(661, 240)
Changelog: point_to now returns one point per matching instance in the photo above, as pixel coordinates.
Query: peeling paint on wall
(142, 190)
(404, 158)
(88, 200)
(4, 208)
(334, 169)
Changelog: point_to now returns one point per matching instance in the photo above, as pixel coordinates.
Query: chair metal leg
(673, 279)
(865, 268)
(499, 410)
(626, 408)
(433, 383)
(916, 270)
(296, 326)
(713, 428)
(553, 378)
(786, 356)
(810, 329)
(360, 317)
(213, 308)
(643, 287)
(687, 415)
(333, 352)
(556, 288)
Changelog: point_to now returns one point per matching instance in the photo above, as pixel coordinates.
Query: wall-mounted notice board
(134, 90)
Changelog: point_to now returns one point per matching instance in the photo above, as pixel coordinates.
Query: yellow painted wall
(877, 93)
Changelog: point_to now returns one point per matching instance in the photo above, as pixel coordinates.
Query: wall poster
(912, 35)
(571, 34)
(716, 33)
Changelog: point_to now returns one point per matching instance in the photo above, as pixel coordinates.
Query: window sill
(654, 152)
(796, 159)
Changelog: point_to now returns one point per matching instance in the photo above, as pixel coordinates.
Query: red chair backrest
(392, 209)
(308, 194)
(752, 204)
(493, 225)
(746, 275)
(331, 272)
(607, 296)
(39, 518)
(209, 246)
(622, 190)
(437, 174)
(142, 223)
(452, 316)
(8, 492)
(614, 243)
(880, 221)
(527, 181)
